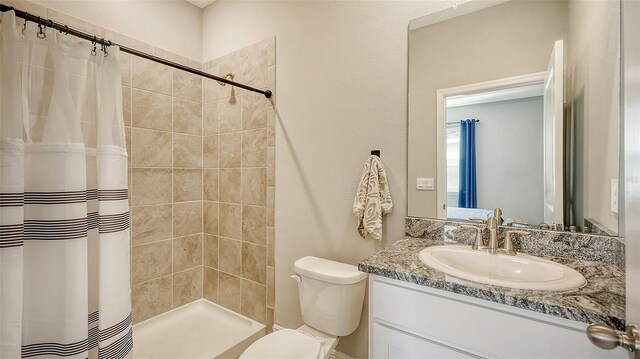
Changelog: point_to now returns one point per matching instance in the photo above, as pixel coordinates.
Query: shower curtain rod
(102, 41)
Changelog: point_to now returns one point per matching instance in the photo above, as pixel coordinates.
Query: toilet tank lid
(328, 271)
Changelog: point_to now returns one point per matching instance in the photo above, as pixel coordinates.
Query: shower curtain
(64, 215)
(468, 193)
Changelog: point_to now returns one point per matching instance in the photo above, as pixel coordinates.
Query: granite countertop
(602, 299)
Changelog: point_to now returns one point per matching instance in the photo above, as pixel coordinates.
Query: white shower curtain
(64, 214)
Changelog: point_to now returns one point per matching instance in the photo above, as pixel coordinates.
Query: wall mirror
(516, 104)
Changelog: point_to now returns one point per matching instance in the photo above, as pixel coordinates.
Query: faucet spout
(492, 225)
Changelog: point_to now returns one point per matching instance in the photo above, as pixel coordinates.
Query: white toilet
(331, 297)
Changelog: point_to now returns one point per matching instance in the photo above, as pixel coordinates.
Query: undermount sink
(520, 271)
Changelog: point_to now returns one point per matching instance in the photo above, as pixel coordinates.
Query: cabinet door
(392, 344)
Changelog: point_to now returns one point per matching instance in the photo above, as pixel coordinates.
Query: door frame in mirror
(441, 121)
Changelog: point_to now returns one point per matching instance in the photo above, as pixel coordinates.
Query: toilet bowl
(331, 296)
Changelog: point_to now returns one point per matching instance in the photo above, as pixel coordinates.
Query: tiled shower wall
(202, 186)
(240, 184)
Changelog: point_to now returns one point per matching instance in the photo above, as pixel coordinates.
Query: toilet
(331, 296)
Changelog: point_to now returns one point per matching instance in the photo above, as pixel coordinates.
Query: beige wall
(342, 69)
(593, 94)
(173, 25)
(506, 40)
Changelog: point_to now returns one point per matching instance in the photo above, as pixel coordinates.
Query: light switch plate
(614, 195)
(425, 184)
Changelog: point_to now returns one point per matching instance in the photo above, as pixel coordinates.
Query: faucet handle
(508, 243)
(479, 242)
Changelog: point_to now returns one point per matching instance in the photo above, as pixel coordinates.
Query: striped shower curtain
(64, 220)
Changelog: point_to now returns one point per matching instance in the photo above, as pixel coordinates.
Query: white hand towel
(373, 199)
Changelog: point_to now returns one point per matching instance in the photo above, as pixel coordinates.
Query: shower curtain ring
(24, 26)
(94, 52)
(40, 34)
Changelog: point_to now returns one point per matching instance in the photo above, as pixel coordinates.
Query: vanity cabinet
(413, 321)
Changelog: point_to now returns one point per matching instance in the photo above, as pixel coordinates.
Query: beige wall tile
(127, 41)
(271, 287)
(271, 127)
(150, 223)
(210, 181)
(150, 186)
(230, 256)
(271, 83)
(187, 252)
(210, 217)
(230, 220)
(187, 151)
(269, 322)
(150, 110)
(254, 69)
(229, 115)
(150, 76)
(210, 118)
(187, 86)
(127, 140)
(254, 148)
(271, 52)
(271, 166)
(150, 298)
(187, 286)
(210, 255)
(229, 291)
(187, 218)
(187, 184)
(230, 152)
(210, 87)
(126, 105)
(271, 206)
(210, 151)
(210, 284)
(254, 262)
(254, 224)
(254, 186)
(230, 185)
(271, 246)
(254, 111)
(150, 261)
(150, 148)
(253, 300)
(125, 68)
(187, 117)
(160, 52)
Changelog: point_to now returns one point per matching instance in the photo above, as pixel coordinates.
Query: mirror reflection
(519, 109)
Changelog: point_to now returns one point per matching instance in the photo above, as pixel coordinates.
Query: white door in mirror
(553, 125)
(520, 271)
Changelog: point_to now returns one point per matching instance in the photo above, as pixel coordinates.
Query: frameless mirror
(516, 104)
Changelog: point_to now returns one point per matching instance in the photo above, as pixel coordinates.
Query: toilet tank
(331, 294)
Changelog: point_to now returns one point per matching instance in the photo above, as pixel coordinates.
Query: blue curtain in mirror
(467, 195)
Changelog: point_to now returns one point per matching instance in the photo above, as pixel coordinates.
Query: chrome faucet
(493, 246)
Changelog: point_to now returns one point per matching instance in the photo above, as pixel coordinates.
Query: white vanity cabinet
(414, 321)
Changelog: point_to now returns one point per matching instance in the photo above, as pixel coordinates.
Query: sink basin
(520, 271)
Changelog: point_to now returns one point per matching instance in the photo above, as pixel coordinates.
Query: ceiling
(201, 3)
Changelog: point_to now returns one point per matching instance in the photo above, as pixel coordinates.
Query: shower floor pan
(198, 330)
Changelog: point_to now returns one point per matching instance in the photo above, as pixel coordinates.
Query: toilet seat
(285, 343)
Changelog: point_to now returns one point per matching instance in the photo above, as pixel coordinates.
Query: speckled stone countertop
(601, 300)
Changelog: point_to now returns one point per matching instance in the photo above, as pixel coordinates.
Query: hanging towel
(373, 199)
